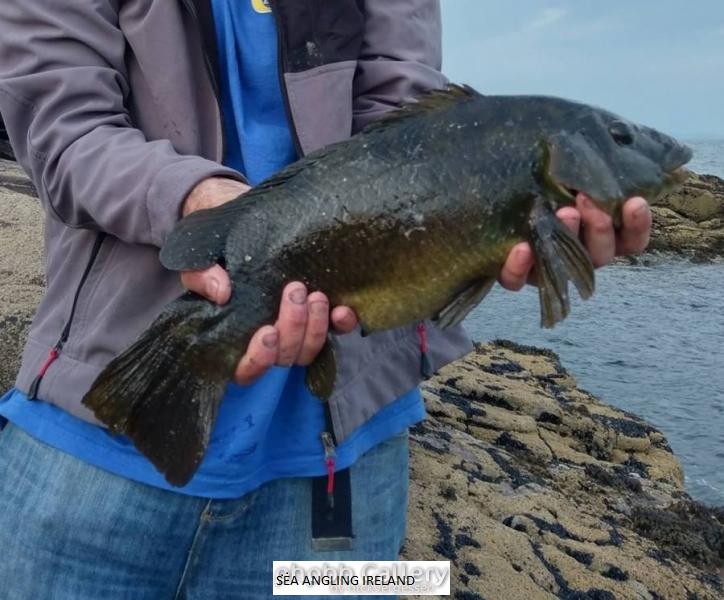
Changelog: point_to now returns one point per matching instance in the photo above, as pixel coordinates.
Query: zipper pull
(425, 366)
(330, 458)
(52, 355)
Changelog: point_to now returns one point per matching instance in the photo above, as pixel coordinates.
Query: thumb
(212, 283)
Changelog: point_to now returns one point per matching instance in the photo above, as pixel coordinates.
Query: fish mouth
(671, 179)
(674, 172)
(671, 174)
(677, 157)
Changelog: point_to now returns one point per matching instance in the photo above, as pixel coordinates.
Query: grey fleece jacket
(112, 109)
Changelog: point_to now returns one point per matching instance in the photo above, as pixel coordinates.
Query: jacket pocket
(65, 332)
(320, 102)
(315, 33)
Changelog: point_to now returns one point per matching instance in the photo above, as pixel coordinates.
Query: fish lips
(677, 157)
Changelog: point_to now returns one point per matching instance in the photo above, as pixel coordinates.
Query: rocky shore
(689, 222)
(21, 265)
(534, 489)
(531, 487)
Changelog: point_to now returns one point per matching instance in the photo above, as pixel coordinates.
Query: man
(122, 114)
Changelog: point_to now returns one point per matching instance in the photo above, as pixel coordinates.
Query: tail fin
(559, 258)
(164, 391)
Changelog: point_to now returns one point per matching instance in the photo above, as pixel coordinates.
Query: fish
(410, 219)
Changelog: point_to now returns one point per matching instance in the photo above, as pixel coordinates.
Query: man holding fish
(129, 116)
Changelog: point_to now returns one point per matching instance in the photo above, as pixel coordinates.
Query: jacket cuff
(172, 185)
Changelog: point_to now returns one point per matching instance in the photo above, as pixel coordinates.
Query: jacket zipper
(330, 459)
(328, 438)
(57, 349)
(281, 51)
(329, 442)
(189, 5)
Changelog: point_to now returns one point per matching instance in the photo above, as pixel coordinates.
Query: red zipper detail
(55, 351)
(52, 355)
(425, 366)
(422, 334)
(330, 458)
(330, 476)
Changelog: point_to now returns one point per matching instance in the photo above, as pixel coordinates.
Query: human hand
(212, 192)
(303, 321)
(599, 237)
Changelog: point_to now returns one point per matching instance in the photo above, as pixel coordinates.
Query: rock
(701, 198)
(690, 221)
(21, 265)
(581, 501)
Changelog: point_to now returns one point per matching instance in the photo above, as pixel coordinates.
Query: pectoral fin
(559, 258)
(463, 303)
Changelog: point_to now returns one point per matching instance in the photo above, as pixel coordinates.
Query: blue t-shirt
(272, 428)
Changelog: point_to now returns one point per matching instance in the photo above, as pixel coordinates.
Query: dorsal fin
(432, 100)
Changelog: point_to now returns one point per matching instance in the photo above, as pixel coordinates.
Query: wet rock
(685, 529)
(601, 512)
(689, 222)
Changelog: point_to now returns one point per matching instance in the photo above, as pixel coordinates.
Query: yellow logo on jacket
(261, 6)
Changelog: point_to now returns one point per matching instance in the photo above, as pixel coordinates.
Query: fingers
(261, 353)
(292, 322)
(518, 267)
(343, 319)
(636, 227)
(598, 233)
(298, 335)
(571, 218)
(315, 334)
(514, 274)
(212, 283)
(599, 237)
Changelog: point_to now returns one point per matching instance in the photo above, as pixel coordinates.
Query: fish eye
(621, 133)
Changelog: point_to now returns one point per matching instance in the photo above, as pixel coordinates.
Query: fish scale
(410, 219)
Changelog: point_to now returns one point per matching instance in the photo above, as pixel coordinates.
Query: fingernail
(212, 288)
(298, 296)
(270, 340)
(319, 308)
(641, 212)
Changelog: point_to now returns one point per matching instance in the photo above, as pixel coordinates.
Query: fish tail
(165, 390)
(559, 258)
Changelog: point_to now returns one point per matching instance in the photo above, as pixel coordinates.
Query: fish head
(611, 160)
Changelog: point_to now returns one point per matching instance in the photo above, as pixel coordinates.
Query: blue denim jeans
(71, 531)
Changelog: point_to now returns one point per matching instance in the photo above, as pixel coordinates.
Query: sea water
(650, 341)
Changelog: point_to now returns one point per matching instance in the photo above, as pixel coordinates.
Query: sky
(656, 62)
